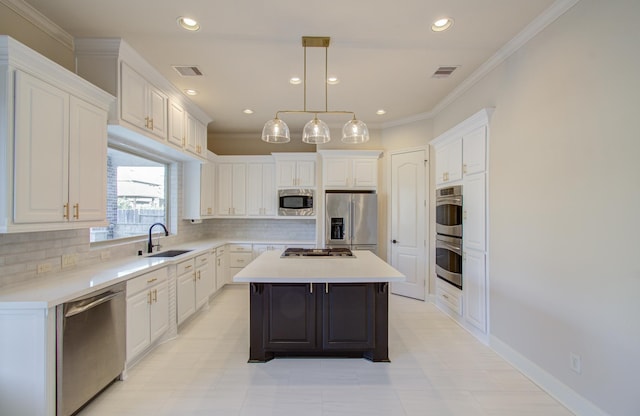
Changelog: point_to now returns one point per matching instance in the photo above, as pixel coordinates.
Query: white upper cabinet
(207, 188)
(42, 151)
(177, 131)
(295, 170)
(261, 189)
(53, 152)
(150, 112)
(186, 131)
(142, 104)
(474, 151)
(350, 169)
(87, 161)
(449, 162)
(198, 187)
(195, 134)
(230, 189)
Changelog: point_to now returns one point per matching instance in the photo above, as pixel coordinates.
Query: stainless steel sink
(170, 253)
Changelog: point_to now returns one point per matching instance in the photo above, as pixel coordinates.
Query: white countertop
(364, 266)
(66, 285)
(51, 290)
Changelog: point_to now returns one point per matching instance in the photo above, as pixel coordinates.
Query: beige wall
(14, 25)
(564, 198)
(250, 144)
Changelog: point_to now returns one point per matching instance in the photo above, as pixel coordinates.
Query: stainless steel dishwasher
(90, 346)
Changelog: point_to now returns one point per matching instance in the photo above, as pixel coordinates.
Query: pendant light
(315, 131)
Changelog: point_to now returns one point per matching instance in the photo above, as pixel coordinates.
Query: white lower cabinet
(239, 256)
(147, 311)
(193, 286)
(475, 296)
(221, 267)
(449, 296)
(185, 288)
(261, 248)
(204, 280)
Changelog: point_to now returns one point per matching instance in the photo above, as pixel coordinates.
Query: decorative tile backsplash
(21, 255)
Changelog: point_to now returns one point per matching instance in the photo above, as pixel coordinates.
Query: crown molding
(547, 17)
(41, 21)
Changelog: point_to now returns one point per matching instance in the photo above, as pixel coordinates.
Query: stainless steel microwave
(295, 202)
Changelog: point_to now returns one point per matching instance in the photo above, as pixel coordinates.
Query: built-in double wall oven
(449, 235)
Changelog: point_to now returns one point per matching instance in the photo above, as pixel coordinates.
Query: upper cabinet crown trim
(17, 55)
(481, 118)
(351, 153)
(119, 48)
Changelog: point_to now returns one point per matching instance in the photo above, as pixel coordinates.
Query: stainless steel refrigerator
(352, 220)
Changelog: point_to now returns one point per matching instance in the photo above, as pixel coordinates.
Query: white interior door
(408, 216)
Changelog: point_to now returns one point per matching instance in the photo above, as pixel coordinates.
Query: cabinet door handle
(326, 288)
(446, 297)
(310, 287)
(65, 211)
(152, 280)
(464, 168)
(155, 295)
(151, 120)
(76, 211)
(149, 298)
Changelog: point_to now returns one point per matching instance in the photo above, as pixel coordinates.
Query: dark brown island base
(319, 306)
(321, 319)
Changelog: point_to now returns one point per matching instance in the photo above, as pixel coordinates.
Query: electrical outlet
(69, 260)
(575, 362)
(43, 268)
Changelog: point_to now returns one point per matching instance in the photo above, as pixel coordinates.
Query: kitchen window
(136, 196)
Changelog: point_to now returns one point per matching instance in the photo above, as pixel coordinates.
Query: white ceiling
(384, 52)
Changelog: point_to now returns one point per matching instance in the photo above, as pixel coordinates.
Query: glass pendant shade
(355, 131)
(275, 131)
(316, 132)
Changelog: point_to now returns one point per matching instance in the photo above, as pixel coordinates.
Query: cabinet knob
(394, 241)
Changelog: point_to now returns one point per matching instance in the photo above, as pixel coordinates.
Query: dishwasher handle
(76, 309)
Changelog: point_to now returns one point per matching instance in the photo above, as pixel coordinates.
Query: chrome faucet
(149, 243)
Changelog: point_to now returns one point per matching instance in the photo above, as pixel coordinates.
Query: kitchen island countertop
(364, 266)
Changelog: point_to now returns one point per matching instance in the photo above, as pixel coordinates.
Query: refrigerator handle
(353, 219)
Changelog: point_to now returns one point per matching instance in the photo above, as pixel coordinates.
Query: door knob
(394, 241)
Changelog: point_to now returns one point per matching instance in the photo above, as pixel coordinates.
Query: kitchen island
(319, 306)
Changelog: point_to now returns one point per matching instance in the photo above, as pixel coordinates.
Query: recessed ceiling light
(188, 23)
(442, 24)
(295, 80)
(381, 112)
(191, 92)
(332, 80)
(247, 111)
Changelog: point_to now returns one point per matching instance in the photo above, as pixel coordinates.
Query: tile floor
(436, 368)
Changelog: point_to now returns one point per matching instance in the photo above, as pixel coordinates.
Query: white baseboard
(554, 387)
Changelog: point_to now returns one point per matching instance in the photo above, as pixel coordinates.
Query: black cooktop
(317, 252)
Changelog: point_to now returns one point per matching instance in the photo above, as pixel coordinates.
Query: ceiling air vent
(444, 71)
(187, 70)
